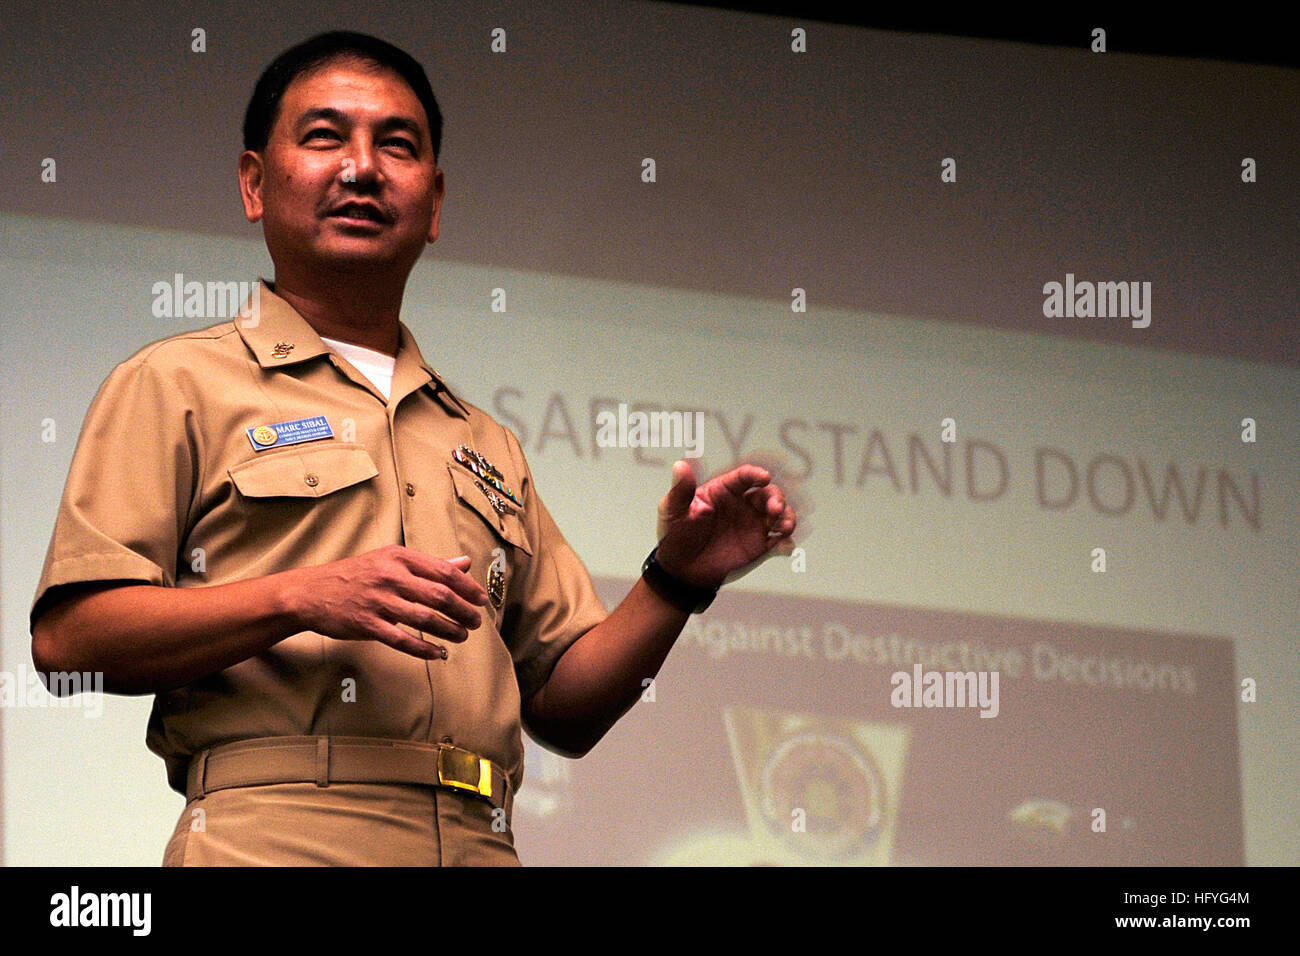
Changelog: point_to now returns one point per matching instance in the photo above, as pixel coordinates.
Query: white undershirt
(375, 366)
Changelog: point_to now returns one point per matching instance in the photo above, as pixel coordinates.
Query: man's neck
(348, 311)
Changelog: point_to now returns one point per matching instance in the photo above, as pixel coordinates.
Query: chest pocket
(507, 524)
(304, 473)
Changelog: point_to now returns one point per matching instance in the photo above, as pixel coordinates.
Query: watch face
(823, 795)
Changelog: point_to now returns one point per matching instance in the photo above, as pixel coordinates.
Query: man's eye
(399, 141)
(320, 133)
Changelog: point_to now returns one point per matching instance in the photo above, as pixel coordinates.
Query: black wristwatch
(683, 596)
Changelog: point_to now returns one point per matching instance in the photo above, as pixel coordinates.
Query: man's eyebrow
(332, 115)
(403, 123)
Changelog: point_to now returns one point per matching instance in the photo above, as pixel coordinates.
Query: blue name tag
(289, 433)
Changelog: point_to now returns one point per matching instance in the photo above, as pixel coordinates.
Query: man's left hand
(723, 526)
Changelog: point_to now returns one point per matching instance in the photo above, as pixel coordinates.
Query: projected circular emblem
(822, 796)
(265, 435)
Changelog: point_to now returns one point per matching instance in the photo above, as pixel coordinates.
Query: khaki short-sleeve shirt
(167, 487)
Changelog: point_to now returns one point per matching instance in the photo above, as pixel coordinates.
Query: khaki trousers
(343, 824)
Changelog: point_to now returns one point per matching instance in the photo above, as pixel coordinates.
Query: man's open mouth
(368, 212)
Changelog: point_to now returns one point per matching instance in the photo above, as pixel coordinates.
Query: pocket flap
(508, 525)
(304, 473)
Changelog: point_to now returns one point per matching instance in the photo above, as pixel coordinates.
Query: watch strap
(681, 595)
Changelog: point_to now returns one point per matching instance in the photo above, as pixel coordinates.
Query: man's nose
(359, 166)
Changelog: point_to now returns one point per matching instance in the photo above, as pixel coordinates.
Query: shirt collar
(278, 336)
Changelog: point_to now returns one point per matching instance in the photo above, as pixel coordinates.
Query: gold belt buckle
(463, 770)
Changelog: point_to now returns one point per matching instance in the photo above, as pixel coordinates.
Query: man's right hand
(369, 597)
(146, 638)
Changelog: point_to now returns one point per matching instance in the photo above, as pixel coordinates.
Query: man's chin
(359, 260)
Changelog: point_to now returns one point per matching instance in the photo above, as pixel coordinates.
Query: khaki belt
(326, 760)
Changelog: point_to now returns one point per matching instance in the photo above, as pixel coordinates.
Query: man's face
(348, 180)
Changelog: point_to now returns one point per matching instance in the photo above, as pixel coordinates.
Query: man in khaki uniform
(335, 575)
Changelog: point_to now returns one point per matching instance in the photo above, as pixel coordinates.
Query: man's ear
(438, 192)
(250, 184)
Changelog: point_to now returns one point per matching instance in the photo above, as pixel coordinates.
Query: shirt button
(312, 481)
(410, 489)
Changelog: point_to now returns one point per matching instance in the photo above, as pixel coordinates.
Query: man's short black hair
(319, 51)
